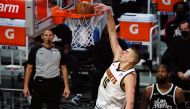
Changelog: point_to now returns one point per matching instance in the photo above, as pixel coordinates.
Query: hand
(182, 76)
(66, 93)
(187, 74)
(101, 7)
(26, 92)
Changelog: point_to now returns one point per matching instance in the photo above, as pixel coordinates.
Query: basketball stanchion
(82, 21)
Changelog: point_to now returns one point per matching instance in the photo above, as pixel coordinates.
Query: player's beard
(161, 80)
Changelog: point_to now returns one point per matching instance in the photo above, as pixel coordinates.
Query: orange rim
(60, 15)
(57, 12)
(72, 14)
(85, 0)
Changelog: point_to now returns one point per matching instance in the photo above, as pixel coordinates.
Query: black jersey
(159, 100)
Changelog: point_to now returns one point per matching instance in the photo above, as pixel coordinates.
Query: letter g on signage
(134, 29)
(9, 34)
(166, 2)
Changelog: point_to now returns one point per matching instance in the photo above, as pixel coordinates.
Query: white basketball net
(83, 30)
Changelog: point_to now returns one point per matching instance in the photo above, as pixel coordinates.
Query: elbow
(130, 105)
(29, 69)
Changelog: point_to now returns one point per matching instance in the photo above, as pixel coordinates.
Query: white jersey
(110, 93)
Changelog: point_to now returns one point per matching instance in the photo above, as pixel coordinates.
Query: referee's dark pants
(46, 91)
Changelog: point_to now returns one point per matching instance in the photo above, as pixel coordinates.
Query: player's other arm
(180, 98)
(130, 83)
(146, 97)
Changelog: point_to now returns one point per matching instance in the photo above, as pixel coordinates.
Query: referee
(47, 62)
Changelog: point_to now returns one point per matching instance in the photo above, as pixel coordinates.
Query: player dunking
(163, 94)
(117, 87)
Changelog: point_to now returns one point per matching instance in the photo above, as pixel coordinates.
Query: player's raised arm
(116, 49)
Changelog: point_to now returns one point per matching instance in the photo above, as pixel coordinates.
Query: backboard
(21, 18)
(38, 14)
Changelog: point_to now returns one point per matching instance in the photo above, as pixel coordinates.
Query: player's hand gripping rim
(101, 7)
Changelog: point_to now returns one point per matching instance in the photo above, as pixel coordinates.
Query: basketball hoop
(85, 0)
(57, 14)
(81, 25)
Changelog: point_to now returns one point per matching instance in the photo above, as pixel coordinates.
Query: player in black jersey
(163, 94)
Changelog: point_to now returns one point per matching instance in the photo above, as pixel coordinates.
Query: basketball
(84, 7)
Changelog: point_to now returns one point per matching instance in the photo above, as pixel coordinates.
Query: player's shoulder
(148, 91)
(179, 90)
(179, 94)
(149, 88)
(130, 77)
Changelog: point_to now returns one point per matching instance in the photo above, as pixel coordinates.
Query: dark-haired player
(163, 94)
